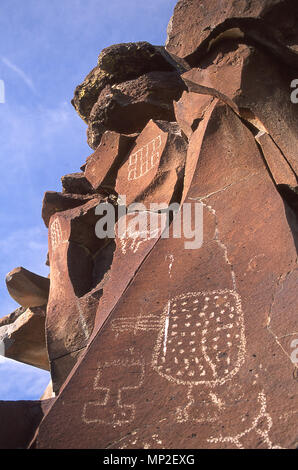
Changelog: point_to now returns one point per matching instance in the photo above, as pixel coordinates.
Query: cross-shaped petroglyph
(113, 404)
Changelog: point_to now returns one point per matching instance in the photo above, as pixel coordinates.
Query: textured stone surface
(127, 107)
(24, 339)
(27, 288)
(54, 202)
(11, 317)
(76, 183)
(132, 83)
(180, 341)
(102, 166)
(154, 169)
(190, 109)
(194, 363)
(197, 26)
(256, 87)
(19, 421)
(278, 166)
(72, 300)
(116, 64)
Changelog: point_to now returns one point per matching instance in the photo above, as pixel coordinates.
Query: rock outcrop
(131, 84)
(27, 288)
(173, 324)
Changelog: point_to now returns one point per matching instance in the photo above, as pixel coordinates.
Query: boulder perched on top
(131, 84)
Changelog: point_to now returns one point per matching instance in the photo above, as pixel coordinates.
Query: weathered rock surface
(102, 166)
(54, 202)
(132, 83)
(76, 183)
(255, 86)
(153, 171)
(197, 26)
(27, 288)
(116, 64)
(127, 107)
(11, 317)
(195, 361)
(279, 168)
(19, 420)
(24, 339)
(164, 340)
(72, 301)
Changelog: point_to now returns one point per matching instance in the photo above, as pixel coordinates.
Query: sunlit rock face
(187, 340)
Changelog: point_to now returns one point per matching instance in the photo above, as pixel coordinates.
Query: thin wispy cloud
(20, 73)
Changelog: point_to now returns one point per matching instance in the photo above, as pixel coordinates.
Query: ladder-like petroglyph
(144, 159)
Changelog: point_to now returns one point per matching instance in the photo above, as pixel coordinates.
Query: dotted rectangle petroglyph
(201, 340)
(146, 158)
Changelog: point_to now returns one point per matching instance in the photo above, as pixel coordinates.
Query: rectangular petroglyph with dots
(201, 339)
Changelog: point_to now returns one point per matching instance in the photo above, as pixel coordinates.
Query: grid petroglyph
(144, 159)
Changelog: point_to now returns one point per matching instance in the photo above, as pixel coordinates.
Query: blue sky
(46, 50)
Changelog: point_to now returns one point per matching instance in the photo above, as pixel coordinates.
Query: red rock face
(127, 107)
(164, 340)
(196, 26)
(19, 420)
(154, 167)
(72, 301)
(197, 361)
(102, 166)
(24, 338)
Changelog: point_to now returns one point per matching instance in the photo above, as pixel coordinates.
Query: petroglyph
(171, 262)
(141, 323)
(111, 407)
(132, 240)
(55, 233)
(134, 441)
(201, 341)
(261, 425)
(146, 158)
